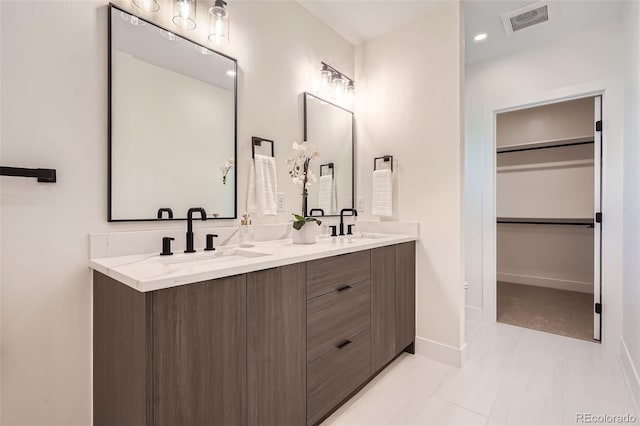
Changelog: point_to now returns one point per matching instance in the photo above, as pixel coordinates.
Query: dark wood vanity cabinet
(170, 357)
(283, 346)
(405, 296)
(392, 302)
(276, 356)
(199, 341)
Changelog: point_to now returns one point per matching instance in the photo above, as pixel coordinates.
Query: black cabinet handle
(346, 287)
(343, 344)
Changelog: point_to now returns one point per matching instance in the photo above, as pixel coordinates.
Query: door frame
(489, 297)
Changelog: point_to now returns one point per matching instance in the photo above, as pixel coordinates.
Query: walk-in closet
(548, 187)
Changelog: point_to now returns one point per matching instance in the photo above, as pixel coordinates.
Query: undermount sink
(217, 256)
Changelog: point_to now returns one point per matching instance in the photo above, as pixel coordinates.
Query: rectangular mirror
(330, 128)
(172, 123)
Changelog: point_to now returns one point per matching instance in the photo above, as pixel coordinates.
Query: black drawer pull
(346, 287)
(343, 344)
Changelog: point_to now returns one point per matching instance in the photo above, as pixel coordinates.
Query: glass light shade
(146, 5)
(131, 19)
(325, 79)
(351, 89)
(184, 13)
(339, 85)
(219, 22)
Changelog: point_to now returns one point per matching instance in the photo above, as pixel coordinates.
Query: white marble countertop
(150, 272)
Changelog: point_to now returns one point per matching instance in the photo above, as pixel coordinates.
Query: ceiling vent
(526, 17)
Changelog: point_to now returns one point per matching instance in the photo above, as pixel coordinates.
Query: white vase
(308, 234)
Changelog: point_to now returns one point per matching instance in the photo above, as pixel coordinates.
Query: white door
(597, 214)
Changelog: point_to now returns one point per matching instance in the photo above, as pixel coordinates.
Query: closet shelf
(547, 221)
(559, 143)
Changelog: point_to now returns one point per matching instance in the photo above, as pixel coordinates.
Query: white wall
(631, 332)
(409, 106)
(54, 114)
(560, 70)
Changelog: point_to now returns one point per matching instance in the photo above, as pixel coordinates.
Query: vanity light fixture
(146, 5)
(218, 22)
(335, 85)
(132, 19)
(184, 14)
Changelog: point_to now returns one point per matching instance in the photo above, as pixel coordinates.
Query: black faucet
(190, 212)
(354, 212)
(165, 210)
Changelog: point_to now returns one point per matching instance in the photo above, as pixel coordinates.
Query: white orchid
(224, 170)
(298, 163)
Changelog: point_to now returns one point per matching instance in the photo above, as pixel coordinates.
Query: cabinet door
(405, 295)
(199, 352)
(276, 336)
(383, 306)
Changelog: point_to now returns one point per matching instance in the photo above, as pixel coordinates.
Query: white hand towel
(262, 196)
(327, 194)
(382, 203)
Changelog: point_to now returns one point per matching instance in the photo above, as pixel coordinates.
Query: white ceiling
(565, 18)
(362, 20)
(359, 21)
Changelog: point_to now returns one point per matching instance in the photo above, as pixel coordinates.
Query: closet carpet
(567, 313)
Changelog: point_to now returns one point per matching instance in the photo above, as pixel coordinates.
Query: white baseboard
(473, 313)
(439, 351)
(630, 374)
(583, 287)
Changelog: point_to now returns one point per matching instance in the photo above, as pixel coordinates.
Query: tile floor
(512, 376)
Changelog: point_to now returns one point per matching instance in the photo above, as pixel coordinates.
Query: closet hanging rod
(43, 175)
(569, 222)
(256, 141)
(534, 148)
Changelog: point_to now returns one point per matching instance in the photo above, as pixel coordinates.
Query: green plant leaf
(298, 217)
(297, 225)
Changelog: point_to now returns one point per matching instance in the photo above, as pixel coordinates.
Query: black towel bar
(256, 141)
(43, 175)
(386, 159)
(328, 165)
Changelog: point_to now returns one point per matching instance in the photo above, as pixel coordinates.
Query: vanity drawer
(337, 316)
(336, 375)
(328, 274)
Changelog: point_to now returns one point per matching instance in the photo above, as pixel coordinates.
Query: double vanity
(278, 334)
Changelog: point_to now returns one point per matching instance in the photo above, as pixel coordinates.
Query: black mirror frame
(353, 144)
(109, 124)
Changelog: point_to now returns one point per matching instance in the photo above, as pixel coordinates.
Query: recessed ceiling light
(231, 73)
(480, 37)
